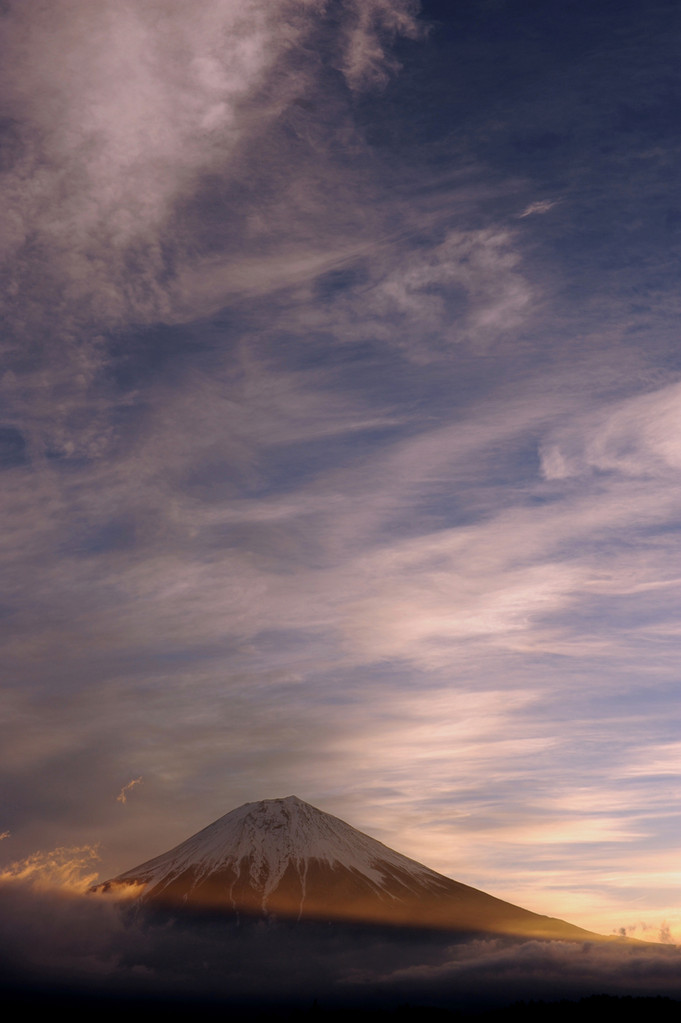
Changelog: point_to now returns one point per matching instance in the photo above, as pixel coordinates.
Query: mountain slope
(284, 857)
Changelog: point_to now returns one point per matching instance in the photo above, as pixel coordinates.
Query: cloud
(365, 62)
(540, 206)
(644, 931)
(424, 295)
(294, 589)
(133, 127)
(130, 102)
(122, 796)
(636, 437)
(63, 869)
(550, 970)
(55, 934)
(93, 944)
(655, 760)
(483, 264)
(123, 108)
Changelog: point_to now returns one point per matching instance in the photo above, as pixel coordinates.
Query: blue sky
(340, 433)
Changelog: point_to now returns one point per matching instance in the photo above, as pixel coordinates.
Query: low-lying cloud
(90, 942)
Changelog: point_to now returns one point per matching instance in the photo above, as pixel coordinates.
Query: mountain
(285, 858)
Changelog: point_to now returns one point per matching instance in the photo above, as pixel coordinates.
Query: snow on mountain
(270, 836)
(286, 858)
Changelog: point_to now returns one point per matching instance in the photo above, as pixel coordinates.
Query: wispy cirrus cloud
(131, 124)
(124, 109)
(638, 436)
(537, 207)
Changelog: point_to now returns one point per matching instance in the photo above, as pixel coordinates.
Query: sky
(340, 435)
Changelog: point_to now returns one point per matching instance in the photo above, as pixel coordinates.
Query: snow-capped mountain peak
(287, 858)
(273, 836)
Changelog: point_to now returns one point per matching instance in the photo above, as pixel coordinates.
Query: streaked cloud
(539, 206)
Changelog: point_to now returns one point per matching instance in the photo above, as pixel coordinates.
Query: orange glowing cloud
(122, 796)
(61, 868)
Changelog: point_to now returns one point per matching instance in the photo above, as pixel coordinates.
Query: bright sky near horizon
(340, 433)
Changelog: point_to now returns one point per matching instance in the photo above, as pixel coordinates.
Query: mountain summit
(285, 858)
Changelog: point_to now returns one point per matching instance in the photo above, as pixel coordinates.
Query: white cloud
(365, 62)
(469, 288)
(640, 436)
(125, 108)
(540, 206)
(124, 103)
